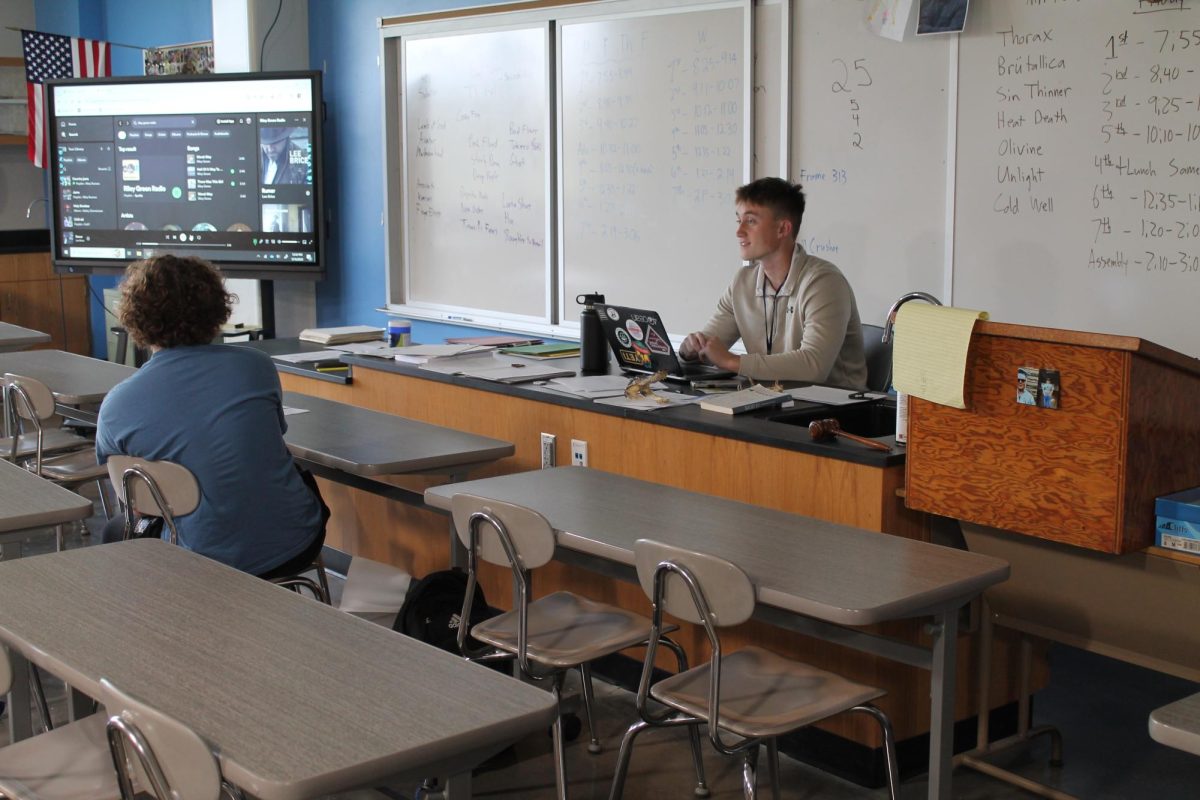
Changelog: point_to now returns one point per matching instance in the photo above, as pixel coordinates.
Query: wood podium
(1086, 474)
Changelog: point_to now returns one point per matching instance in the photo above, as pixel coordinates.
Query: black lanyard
(769, 327)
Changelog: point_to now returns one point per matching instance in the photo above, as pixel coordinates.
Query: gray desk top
(371, 443)
(74, 379)
(1178, 724)
(27, 501)
(14, 337)
(831, 572)
(298, 699)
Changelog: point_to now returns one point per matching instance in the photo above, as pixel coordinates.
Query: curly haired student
(217, 410)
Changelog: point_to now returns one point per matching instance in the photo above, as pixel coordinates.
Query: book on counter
(552, 350)
(342, 335)
(498, 340)
(751, 399)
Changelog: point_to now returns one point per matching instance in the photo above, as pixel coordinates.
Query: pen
(333, 369)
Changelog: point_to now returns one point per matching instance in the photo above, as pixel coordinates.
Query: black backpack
(432, 608)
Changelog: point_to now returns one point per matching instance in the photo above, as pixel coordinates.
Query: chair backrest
(168, 758)
(529, 532)
(717, 585)
(31, 399)
(879, 358)
(138, 480)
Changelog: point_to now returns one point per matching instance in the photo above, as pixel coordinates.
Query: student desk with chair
(296, 699)
(811, 576)
(748, 458)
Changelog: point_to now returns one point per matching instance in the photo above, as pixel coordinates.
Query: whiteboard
(477, 164)
(869, 131)
(655, 137)
(1078, 179)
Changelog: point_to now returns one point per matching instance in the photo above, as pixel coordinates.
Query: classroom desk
(75, 380)
(27, 501)
(14, 337)
(298, 699)
(1178, 724)
(811, 576)
(355, 446)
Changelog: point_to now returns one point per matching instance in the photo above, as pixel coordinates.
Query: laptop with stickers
(640, 343)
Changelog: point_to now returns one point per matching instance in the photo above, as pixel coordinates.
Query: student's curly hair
(784, 199)
(169, 301)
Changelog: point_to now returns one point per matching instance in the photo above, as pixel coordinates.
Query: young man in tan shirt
(795, 313)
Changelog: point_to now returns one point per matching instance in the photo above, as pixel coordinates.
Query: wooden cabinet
(33, 296)
(12, 101)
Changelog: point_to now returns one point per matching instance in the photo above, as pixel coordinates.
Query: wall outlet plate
(579, 454)
(549, 441)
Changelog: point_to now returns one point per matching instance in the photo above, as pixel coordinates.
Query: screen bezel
(237, 268)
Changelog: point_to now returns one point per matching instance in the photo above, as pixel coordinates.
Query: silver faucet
(32, 203)
(891, 315)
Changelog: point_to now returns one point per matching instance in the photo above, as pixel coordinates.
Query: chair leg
(749, 773)
(560, 752)
(773, 766)
(103, 499)
(889, 748)
(701, 789)
(39, 697)
(589, 699)
(323, 579)
(622, 768)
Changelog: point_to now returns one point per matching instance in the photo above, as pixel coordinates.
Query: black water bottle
(593, 350)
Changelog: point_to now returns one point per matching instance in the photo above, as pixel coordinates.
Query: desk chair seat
(54, 440)
(67, 763)
(566, 630)
(74, 468)
(744, 699)
(548, 636)
(763, 694)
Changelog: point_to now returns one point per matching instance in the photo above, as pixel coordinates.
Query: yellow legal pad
(929, 356)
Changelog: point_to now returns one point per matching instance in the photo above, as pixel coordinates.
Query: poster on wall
(195, 58)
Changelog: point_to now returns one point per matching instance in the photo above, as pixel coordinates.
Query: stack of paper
(348, 333)
(540, 351)
(424, 353)
(593, 386)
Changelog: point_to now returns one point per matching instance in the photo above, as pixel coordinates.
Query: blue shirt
(218, 410)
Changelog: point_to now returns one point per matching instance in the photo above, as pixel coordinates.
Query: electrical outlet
(548, 446)
(578, 453)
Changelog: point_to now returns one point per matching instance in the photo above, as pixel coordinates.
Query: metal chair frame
(124, 736)
(318, 588)
(521, 587)
(748, 748)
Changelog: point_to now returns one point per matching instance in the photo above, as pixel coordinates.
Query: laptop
(639, 340)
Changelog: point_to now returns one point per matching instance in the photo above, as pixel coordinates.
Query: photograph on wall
(942, 16)
(1048, 388)
(195, 58)
(1027, 383)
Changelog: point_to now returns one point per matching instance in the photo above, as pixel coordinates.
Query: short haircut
(784, 199)
(169, 301)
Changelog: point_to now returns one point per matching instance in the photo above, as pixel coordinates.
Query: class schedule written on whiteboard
(1081, 189)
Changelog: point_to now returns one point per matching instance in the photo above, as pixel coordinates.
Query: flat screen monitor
(226, 167)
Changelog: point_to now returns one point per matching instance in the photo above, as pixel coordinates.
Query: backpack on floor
(432, 609)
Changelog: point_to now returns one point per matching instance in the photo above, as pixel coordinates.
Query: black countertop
(754, 427)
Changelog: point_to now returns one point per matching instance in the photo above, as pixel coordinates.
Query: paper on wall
(888, 18)
(929, 356)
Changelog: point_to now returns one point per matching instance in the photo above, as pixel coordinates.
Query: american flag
(49, 56)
